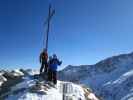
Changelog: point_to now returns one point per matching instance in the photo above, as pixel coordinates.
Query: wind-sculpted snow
(111, 79)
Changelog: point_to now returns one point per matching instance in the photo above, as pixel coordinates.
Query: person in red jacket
(43, 61)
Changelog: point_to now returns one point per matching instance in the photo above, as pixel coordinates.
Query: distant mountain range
(111, 79)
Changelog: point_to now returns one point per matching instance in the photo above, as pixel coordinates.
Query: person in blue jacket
(53, 65)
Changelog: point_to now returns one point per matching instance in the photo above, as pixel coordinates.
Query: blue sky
(82, 31)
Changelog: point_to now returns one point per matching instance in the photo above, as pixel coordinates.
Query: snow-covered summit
(70, 92)
(21, 90)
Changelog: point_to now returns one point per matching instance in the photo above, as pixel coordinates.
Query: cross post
(50, 15)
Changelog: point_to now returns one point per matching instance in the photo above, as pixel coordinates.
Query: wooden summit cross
(50, 15)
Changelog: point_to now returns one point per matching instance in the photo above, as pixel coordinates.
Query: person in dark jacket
(43, 60)
(53, 64)
(49, 69)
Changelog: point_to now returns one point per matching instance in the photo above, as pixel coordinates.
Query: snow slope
(111, 79)
(63, 91)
